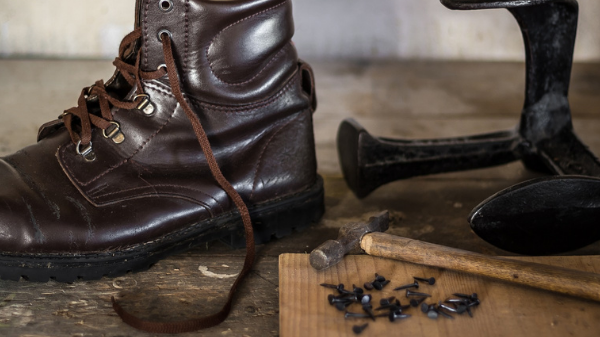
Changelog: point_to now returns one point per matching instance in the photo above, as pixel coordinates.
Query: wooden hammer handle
(557, 279)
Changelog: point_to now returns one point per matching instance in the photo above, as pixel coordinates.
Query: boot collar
(228, 52)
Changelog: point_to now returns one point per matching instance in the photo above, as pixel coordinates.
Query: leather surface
(157, 181)
(214, 74)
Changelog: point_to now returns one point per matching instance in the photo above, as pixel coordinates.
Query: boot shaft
(157, 178)
(228, 52)
(260, 129)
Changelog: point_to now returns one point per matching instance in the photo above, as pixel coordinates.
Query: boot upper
(241, 75)
(229, 52)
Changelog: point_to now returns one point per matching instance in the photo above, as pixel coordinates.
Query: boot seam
(260, 158)
(156, 193)
(155, 85)
(146, 47)
(187, 35)
(210, 63)
(237, 84)
(68, 168)
(128, 249)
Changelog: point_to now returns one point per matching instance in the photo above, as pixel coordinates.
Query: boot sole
(271, 219)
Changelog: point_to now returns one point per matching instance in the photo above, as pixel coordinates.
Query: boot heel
(280, 218)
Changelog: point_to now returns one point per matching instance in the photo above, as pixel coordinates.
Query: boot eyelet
(87, 153)
(146, 106)
(114, 133)
(164, 31)
(165, 5)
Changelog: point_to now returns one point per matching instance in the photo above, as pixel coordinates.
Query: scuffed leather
(42, 212)
(157, 181)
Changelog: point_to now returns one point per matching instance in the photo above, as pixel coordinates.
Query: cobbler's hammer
(368, 237)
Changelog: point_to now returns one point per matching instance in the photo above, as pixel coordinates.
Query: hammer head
(348, 241)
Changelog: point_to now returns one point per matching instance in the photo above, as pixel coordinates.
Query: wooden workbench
(505, 309)
(399, 99)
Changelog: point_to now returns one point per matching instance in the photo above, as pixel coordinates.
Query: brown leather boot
(207, 119)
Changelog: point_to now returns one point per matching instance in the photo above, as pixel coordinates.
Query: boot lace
(81, 134)
(79, 121)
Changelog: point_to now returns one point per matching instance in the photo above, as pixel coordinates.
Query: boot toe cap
(19, 227)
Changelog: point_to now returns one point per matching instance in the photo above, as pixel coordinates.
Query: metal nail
(333, 299)
(459, 309)
(327, 285)
(366, 299)
(430, 281)
(369, 310)
(357, 290)
(387, 301)
(393, 306)
(389, 306)
(474, 303)
(386, 306)
(445, 314)
(469, 312)
(341, 289)
(357, 329)
(351, 297)
(381, 284)
(379, 278)
(341, 306)
(457, 301)
(426, 307)
(368, 285)
(414, 293)
(472, 297)
(404, 307)
(415, 302)
(406, 286)
(397, 315)
(349, 315)
(433, 314)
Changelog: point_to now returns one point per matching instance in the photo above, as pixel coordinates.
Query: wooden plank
(173, 289)
(446, 99)
(505, 310)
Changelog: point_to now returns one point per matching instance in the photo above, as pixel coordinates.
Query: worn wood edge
(288, 256)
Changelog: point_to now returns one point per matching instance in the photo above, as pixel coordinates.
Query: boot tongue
(138, 13)
(137, 23)
(118, 87)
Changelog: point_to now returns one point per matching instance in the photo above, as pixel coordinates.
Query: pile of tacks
(394, 310)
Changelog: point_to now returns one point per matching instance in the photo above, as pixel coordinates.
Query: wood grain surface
(409, 99)
(505, 310)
